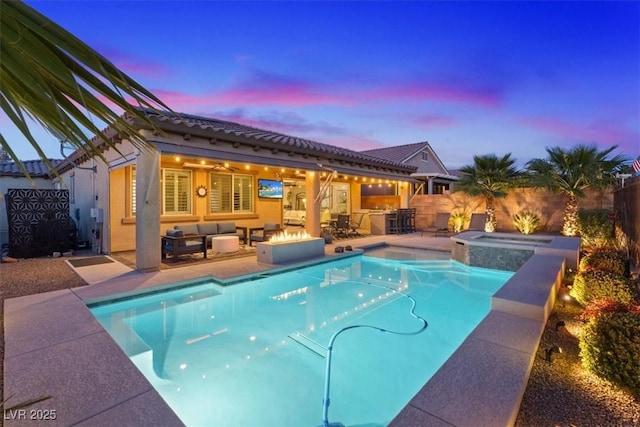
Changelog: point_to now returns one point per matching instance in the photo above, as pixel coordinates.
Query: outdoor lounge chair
(341, 226)
(263, 234)
(477, 222)
(354, 225)
(441, 224)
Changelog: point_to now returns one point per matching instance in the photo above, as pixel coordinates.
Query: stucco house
(430, 170)
(201, 169)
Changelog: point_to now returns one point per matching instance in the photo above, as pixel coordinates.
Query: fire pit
(285, 247)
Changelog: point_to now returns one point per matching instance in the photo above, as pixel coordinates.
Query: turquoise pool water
(252, 354)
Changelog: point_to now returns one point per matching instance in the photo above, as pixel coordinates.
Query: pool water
(253, 354)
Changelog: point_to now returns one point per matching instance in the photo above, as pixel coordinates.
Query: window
(242, 196)
(440, 188)
(231, 193)
(176, 192)
(425, 156)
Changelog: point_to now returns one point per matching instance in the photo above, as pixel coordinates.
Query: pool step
(310, 344)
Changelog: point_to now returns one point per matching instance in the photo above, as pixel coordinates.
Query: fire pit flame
(290, 237)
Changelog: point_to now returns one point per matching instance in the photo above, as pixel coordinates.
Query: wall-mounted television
(269, 189)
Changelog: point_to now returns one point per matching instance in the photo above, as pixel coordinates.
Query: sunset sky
(469, 77)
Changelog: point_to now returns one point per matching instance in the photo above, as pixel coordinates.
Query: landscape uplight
(553, 349)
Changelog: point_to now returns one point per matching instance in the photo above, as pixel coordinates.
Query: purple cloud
(288, 122)
(433, 121)
(260, 88)
(604, 132)
(134, 65)
(443, 91)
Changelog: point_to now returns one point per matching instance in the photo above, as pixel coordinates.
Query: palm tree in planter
(490, 176)
(571, 172)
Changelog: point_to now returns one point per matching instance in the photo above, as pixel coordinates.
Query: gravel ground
(562, 393)
(28, 277)
(559, 393)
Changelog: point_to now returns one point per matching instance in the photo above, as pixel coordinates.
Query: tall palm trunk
(570, 224)
(490, 226)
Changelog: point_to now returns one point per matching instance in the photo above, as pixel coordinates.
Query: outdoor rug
(85, 262)
(128, 258)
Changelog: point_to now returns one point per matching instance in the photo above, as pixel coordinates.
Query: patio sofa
(213, 229)
(294, 217)
(176, 243)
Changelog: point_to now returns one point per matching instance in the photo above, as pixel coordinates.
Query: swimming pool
(252, 354)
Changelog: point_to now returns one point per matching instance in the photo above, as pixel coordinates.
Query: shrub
(611, 261)
(458, 220)
(597, 284)
(606, 306)
(595, 227)
(526, 222)
(610, 348)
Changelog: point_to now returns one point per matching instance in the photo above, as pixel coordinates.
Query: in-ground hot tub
(509, 251)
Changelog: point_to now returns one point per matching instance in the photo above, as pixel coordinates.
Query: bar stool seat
(392, 218)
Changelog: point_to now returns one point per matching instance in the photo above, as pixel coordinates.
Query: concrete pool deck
(54, 346)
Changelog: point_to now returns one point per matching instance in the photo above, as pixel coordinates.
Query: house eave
(422, 176)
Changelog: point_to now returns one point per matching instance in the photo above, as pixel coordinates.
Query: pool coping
(483, 382)
(54, 346)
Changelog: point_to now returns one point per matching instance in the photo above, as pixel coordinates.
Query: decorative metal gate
(39, 222)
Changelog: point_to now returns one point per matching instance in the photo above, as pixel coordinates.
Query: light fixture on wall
(197, 166)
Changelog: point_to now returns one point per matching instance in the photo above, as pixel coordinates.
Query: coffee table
(225, 244)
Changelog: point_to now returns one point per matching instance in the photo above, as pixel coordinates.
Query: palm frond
(489, 175)
(52, 77)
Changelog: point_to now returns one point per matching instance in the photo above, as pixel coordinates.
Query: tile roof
(237, 129)
(398, 153)
(36, 168)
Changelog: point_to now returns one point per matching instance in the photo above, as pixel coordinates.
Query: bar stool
(403, 220)
(412, 220)
(392, 219)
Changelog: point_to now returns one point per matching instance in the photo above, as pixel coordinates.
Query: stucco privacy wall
(549, 206)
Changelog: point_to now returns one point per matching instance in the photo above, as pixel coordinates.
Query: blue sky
(469, 77)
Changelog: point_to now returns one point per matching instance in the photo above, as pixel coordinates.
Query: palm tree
(55, 79)
(572, 171)
(490, 177)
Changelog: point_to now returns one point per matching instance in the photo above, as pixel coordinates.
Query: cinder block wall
(548, 206)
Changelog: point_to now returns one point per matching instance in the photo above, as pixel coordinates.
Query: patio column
(312, 188)
(403, 188)
(148, 210)
(430, 185)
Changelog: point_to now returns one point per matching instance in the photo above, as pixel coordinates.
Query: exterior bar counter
(380, 222)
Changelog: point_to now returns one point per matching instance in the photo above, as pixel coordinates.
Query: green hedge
(597, 284)
(595, 228)
(610, 261)
(610, 348)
